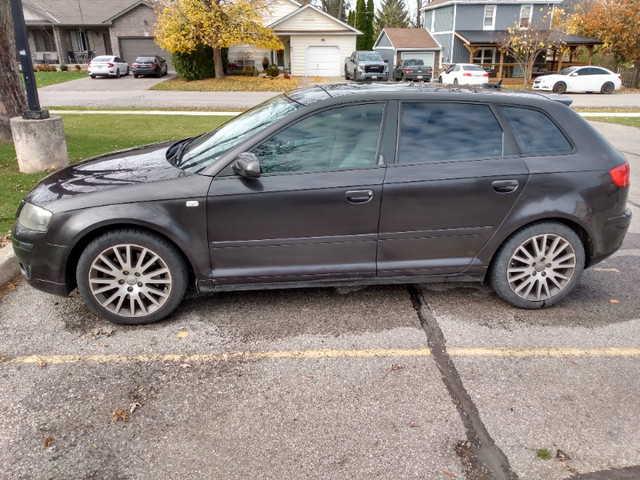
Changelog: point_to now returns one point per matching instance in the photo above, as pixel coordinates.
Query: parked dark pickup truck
(412, 69)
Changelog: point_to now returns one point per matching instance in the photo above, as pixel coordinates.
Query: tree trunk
(12, 95)
(217, 63)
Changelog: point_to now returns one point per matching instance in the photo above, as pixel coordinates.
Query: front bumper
(41, 263)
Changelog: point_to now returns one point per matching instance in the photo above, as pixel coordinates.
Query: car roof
(378, 91)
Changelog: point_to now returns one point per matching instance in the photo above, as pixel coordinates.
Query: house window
(525, 15)
(43, 41)
(484, 55)
(489, 17)
(81, 40)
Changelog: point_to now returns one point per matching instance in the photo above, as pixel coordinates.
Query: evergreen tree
(360, 21)
(368, 27)
(391, 14)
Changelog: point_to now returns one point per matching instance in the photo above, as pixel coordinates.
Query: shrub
(63, 68)
(195, 65)
(78, 68)
(286, 76)
(249, 71)
(273, 70)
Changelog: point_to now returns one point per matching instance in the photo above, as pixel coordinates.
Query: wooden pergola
(473, 40)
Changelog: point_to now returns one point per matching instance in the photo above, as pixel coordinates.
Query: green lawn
(90, 135)
(44, 79)
(629, 121)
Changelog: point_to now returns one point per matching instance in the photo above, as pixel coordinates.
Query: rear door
(313, 213)
(455, 179)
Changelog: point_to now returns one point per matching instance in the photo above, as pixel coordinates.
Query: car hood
(124, 168)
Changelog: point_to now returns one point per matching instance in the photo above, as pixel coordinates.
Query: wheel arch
(579, 229)
(87, 237)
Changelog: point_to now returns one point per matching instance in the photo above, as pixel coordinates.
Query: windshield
(202, 152)
(369, 57)
(567, 71)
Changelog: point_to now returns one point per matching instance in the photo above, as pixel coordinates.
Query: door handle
(359, 196)
(505, 186)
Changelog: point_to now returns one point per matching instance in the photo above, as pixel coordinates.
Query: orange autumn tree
(615, 23)
(183, 25)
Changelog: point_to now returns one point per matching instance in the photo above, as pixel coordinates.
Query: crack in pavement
(481, 457)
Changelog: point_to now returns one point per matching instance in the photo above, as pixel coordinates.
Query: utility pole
(34, 112)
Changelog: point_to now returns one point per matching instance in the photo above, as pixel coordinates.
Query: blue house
(469, 31)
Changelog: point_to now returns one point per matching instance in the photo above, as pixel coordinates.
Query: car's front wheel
(131, 277)
(538, 266)
(607, 88)
(560, 87)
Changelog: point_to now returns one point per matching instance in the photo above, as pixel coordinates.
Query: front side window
(525, 15)
(489, 17)
(441, 132)
(536, 134)
(343, 137)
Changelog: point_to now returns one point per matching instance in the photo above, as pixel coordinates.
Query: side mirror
(246, 165)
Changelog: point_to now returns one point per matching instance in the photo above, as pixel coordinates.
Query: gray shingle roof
(80, 12)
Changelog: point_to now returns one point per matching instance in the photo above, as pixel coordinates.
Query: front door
(313, 213)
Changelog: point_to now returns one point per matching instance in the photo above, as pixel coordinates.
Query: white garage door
(426, 57)
(323, 61)
(132, 47)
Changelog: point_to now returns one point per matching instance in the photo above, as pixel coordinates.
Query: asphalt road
(422, 381)
(134, 92)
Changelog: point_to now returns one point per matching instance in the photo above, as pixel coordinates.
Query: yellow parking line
(614, 352)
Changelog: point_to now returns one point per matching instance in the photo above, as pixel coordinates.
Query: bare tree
(12, 95)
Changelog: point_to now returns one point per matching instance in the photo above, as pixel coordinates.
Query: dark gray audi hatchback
(337, 185)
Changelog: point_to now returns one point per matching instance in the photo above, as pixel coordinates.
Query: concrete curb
(8, 265)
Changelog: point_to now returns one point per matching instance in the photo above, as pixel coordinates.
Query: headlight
(35, 218)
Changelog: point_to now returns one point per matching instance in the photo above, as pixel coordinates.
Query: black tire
(560, 87)
(143, 281)
(118, 73)
(159, 73)
(127, 74)
(93, 76)
(607, 88)
(346, 74)
(538, 266)
(440, 79)
(455, 81)
(135, 75)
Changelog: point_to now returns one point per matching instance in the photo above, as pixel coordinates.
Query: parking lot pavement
(433, 381)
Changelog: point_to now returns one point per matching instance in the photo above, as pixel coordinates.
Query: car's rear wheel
(455, 81)
(131, 277)
(607, 88)
(93, 76)
(538, 266)
(439, 79)
(118, 73)
(560, 87)
(135, 75)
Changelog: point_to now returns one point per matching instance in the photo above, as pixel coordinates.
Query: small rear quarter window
(536, 134)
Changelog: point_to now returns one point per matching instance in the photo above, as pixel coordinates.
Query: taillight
(485, 74)
(154, 64)
(111, 65)
(620, 175)
(408, 71)
(134, 64)
(466, 75)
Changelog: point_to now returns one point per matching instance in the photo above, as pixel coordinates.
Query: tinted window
(472, 68)
(437, 132)
(535, 132)
(145, 59)
(343, 137)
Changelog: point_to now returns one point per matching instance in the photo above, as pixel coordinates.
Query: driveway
(422, 381)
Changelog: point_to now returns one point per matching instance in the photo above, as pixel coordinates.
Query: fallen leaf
(562, 456)
(121, 415)
(614, 301)
(183, 335)
(134, 405)
(414, 425)
(47, 442)
(43, 364)
(448, 474)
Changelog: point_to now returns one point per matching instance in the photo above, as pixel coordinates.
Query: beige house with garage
(73, 32)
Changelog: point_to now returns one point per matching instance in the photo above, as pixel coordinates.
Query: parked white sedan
(108, 66)
(580, 79)
(464, 74)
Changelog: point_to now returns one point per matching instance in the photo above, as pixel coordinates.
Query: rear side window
(535, 133)
(440, 132)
